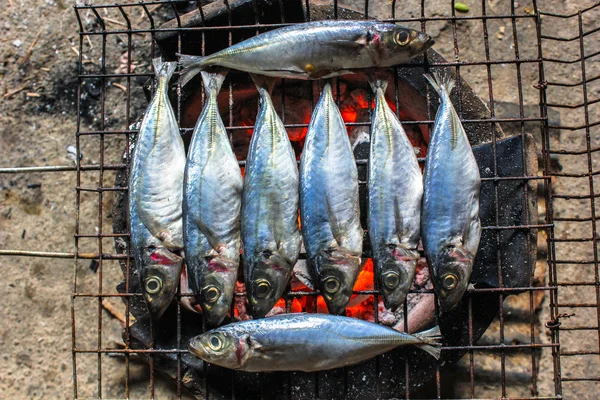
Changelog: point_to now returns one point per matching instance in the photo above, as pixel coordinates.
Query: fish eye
(402, 38)
(261, 288)
(391, 280)
(153, 285)
(215, 343)
(332, 285)
(211, 294)
(449, 281)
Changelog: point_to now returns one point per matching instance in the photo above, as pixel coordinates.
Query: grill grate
(531, 366)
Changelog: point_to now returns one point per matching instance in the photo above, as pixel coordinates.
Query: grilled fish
(318, 49)
(155, 197)
(212, 197)
(450, 225)
(329, 205)
(395, 187)
(270, 234)
(303, 342)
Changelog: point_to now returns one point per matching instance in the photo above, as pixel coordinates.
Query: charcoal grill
(569, 348)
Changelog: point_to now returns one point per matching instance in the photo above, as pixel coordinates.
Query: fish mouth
(215, 315)
(424, 42)
(196, 348)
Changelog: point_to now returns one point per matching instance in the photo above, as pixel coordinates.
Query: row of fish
(216, 211)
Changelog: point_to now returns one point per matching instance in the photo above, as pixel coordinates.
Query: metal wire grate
(562, 364)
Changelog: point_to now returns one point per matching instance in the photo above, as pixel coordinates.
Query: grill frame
(555, 325)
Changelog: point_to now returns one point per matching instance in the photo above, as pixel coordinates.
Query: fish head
(269, 276)
(397, 44)
(221, 347)
(215, 290)
(451, 271)
(337, 273)
(396, 269)
(159, 278)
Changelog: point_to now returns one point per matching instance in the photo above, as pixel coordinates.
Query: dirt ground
(38, 117)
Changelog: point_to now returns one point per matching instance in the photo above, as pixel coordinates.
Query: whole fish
(303, 342)
(318, 49)
(329, 205)
(395, 187)
(270, 235)
(212, 197)
(155, 197)
(450, 225)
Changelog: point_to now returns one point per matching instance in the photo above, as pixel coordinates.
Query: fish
(315, 50)
(303, 342)
(450, 224)
(329, 204)
(270, 234)
(212, 198)
(155, 197)
(395, 191)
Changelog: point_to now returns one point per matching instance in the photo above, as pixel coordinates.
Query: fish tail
(377, 81)
(263, 82)
(163, 69)
(213, 80)
(440, 83)
(431, 341)
(192, 65)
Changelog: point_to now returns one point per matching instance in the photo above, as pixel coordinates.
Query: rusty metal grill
(559, 353)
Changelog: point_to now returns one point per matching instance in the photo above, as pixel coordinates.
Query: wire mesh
(502, 364)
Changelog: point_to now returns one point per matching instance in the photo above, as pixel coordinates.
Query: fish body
(329, 204)
(270, 234)
(318, 49)
(155, 197)
(212, 199)
(303, 342)
(395, 187)
(450, 225)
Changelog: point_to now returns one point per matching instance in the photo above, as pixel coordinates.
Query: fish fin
(209, 234)
(163, 69)
(213, 80)
(263, 82)
(434, 334)
(289, 72)
(435, 352)
(335, 223)
(431, 339)
(303, 274)
(191, 65)
(378, 80)
(443, 85)
(440, 83)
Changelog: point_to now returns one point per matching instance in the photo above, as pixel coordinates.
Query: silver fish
(155, 197)
(450, 225)
(329, 205)
(395, 187)
(318, 49)
(212, 197)
(270, 234)
(303, 342)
